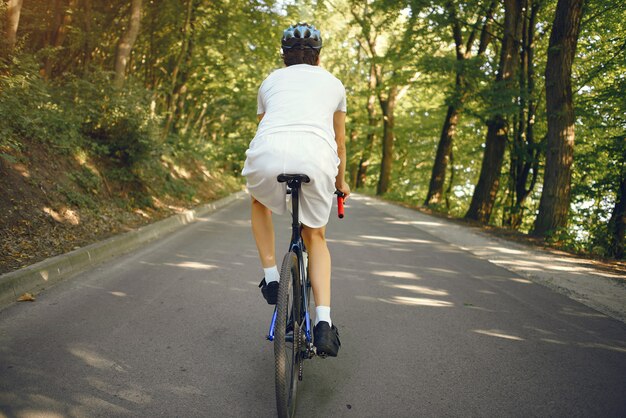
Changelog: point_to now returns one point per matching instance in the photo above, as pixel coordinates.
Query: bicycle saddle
(303, 178)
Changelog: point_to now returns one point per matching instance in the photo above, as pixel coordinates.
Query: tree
(14, 8)
(525, 151)
(497, 126)
(380, 24)
(555, 198)
(463, 54)
(127, 40)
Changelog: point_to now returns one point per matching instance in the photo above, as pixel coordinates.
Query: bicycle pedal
(319, 354)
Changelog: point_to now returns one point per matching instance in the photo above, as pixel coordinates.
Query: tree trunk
(179, 75)
(126, 43)
(435, 193)
(524, 153)
(87, 24)
(555, 198)
(387, 106)
(14, 8)
(371, 125)
(497, 127)
(617, 223)
(442, 158)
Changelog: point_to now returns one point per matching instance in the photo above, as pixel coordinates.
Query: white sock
(271, 274)
(322, 313)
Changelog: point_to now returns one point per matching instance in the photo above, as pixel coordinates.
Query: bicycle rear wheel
(287, 350)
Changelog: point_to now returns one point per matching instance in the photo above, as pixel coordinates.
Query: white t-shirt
(301, 98)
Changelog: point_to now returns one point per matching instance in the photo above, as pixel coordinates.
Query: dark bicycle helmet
(301, 36)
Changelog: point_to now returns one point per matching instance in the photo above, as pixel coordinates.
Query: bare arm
(339, 123)
(260, 116)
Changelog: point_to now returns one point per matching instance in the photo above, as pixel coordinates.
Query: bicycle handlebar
(340, 198)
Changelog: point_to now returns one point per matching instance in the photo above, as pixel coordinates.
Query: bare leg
(319, 263)
(263, 231)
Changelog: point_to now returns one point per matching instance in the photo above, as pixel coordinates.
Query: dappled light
(420, 289)
(193, 265)
(498, 334)
(66, 215)
(93, 359)
(441, 270)
(22, 170)
(142, 213)
(395, 239)
(397, 274)
(412, 301)
(119, 294)
(552, 341)
(506, 250)
(417, 223)
(132, 394)
(586, 313)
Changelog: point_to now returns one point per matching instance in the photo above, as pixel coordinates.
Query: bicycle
(290, 327)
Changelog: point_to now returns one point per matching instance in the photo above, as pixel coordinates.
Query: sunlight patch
(404, 300)
(498, 333)
(421, 289)
(93, 359)
(193, 265)
(396, 274)
(506, 250)
(66, 215)
(119, 294)
(34, 413)
(394, 239)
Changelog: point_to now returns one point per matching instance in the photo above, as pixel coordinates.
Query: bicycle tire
(287, 353)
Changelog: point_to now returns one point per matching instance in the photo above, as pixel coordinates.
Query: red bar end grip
(340, 206)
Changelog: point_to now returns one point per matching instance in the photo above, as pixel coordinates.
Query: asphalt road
(177, 330)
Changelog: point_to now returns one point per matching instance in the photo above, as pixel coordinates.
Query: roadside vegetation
(506, 113)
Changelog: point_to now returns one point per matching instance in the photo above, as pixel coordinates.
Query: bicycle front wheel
(287, 350)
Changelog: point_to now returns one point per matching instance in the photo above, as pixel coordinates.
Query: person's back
(301, 109)
(301, 98)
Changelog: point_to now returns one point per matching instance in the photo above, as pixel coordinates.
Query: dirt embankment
(53, 201)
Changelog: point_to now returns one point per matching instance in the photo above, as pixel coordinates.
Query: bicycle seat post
(294, 182)
(294, 185)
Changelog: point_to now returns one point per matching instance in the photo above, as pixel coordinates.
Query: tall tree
(463, 53)
(617, 223)
(61, 12)
(14, 8)
(390, 68)
(524, 152)
(180, 72)
(497, 126)
(555, 198)
(372, 122)
(125, 45)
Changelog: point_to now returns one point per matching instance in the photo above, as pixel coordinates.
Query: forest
(510, 113)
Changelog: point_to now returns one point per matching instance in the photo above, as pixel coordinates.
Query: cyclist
(302, 114)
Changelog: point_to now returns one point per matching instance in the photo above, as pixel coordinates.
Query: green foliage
(192, 80)
(33, 109)
(87, 180)
(122, 129)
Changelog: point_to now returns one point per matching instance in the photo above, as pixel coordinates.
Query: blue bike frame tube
(307, 319)
(270, 334)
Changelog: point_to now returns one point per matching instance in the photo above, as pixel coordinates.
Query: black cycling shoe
(326, 339)
(269, 291)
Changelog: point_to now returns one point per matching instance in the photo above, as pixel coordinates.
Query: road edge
(578, 286)
(39, 276)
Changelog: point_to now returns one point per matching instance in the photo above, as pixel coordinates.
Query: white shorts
(293, 153)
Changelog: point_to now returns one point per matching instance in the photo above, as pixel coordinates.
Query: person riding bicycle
(302, 116)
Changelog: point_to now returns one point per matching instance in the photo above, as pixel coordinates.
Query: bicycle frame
(296, 245)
